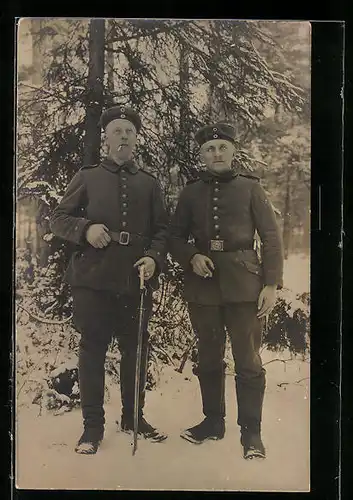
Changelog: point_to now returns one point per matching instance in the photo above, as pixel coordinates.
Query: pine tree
(178, 75)
(94, 98)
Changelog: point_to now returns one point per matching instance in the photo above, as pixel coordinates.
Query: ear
(202, 154)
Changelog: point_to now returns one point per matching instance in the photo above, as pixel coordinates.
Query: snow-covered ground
(297, 273)
(45, 457)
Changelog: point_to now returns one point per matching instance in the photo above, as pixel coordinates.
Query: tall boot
(212, 387)
(127, 382)
(250, 395)
(91, 383)
(127, 385)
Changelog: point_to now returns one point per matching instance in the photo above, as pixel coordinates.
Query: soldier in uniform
(114, 213)
(225, 284)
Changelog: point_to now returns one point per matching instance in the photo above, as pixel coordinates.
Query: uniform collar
(110, 165)
(207, 176)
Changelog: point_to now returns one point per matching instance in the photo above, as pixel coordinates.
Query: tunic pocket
(89, 258)
(252, 267)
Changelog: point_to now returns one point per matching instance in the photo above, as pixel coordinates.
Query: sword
(138, 359)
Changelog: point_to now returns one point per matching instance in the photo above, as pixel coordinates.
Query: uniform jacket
(228, 208)
(124, 199)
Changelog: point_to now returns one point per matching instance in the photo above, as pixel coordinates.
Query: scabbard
(138, 361)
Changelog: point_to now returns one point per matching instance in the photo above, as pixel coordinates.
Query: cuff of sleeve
(274, 281)
(157, 257)
(189, 253)
(80, 229)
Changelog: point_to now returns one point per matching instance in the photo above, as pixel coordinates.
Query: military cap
(218, 130)
(123, 112)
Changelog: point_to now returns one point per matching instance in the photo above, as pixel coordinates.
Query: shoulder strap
(192, 181)
(88, 166)
(148, 173)
(250, 176)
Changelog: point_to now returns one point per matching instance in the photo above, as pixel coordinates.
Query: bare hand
(202, 265)
(267, 300)
(97, 235)
(149, 266)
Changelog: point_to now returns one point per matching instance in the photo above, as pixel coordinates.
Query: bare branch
(45, 320)
(164, 352)
(281, 384)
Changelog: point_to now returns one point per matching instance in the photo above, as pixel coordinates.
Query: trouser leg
(245, 331)
(92, 317)
(208, 326)
(92, 380)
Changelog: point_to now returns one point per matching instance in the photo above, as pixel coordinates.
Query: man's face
(120, 136)
(217, 155)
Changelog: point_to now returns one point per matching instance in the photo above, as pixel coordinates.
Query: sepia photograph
(162, 254)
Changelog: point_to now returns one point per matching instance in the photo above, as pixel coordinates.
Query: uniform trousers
(100, 316)
(210, 323)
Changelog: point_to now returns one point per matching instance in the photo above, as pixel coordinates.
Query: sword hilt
(142, 277)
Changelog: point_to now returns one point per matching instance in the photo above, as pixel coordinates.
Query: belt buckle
(124, 238)
(217, 245)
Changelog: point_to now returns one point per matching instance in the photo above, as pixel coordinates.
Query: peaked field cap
(219, 130)
(123, 112)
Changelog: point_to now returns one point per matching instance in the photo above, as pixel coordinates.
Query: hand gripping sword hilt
(142, 277)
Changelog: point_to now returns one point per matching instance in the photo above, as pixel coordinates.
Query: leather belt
(219, 245)
(126, 238)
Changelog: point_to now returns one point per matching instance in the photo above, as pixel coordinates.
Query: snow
(297, 273)
(45, 456)
(68, 365)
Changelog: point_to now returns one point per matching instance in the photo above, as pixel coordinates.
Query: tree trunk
(110, 63)
(287, 214)
(95, 91)
(214, 106)
(36, 78)
(39, 247)
(184, 128)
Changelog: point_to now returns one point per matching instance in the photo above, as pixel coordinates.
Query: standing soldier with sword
(115, 214)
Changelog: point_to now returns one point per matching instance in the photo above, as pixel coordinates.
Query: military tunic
(124, 199)
(229, 209)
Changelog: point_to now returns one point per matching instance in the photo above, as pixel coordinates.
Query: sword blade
(138, 364)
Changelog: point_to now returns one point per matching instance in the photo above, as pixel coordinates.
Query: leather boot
(145, 429)
(209, 428)
(250, 396)
(212, 386)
